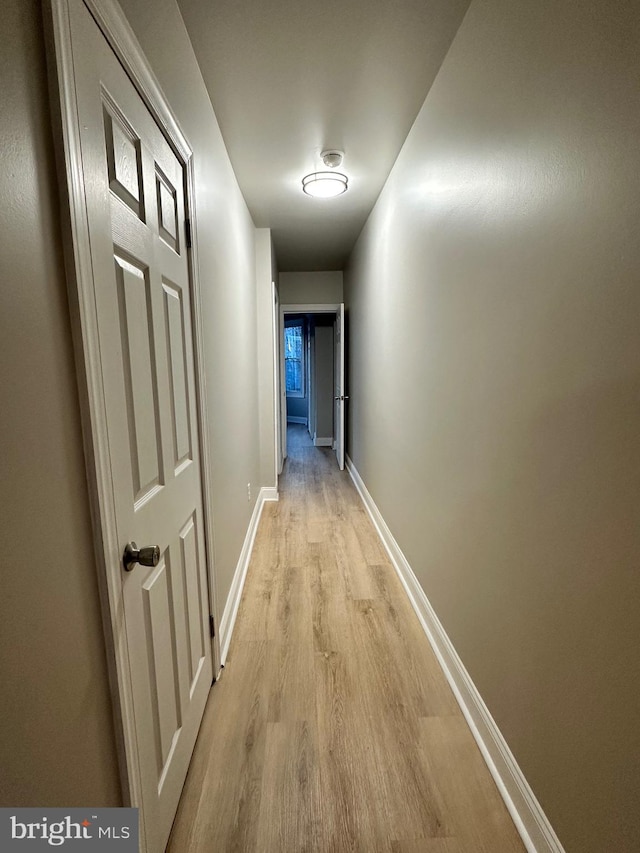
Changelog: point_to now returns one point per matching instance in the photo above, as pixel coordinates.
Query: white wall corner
(230, 612)
(531, 822)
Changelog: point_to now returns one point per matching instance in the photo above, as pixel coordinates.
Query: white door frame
(340, 398)
(277, 399)
(78, 260)
(297, 308)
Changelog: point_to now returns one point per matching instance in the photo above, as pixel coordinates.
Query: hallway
(332, 727)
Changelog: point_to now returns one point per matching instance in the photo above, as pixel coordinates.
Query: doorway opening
(312, 374)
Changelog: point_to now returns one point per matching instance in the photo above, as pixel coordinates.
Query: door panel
(123, 158)
(160, 626)
(134, 188)
(140, 376)
(176, 345)
(197, 644)
(166, 196)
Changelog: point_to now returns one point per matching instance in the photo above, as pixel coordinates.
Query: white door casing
(339, 396)
(277, 381)
(283, 390)
(135, 346)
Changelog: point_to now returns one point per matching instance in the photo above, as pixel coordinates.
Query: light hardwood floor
(332, 727)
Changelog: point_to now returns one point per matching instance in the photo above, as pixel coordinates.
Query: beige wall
(310, 288)
(226, 243)
(494, 302)
(56, 738)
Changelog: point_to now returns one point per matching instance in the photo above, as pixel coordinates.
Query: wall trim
(295, 419)
(230, 611)
(530, 820)
(323, 442)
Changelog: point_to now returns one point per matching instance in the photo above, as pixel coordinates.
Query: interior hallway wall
(57, 745)
(311, 288)
(494, 379)
(226, 246)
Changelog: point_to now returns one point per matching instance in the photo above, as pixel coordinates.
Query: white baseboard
(230, 612)
(269, 493)
(323, 442)
(531, 822)
(294, 419)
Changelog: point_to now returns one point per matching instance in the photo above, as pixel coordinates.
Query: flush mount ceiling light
(326, 184)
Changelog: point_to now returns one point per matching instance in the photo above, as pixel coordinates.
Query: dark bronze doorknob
(149, 556)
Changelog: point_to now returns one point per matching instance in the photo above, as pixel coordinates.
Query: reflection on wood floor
(332, 728)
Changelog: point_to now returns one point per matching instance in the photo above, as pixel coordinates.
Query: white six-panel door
(134, 186)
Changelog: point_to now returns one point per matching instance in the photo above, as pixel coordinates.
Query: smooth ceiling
(289, 78)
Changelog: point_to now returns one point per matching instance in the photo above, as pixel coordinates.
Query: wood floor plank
(411, 797)
(416, 662)
(428, 845)
(333, 729)
(352, 776)
(290, 806)
(289, 667)
(476, 814)
(329, 614)
(220, 803)
(359, 580)
(256, 614)
(372, 547)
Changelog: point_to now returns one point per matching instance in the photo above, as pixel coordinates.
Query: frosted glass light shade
(325, 184)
